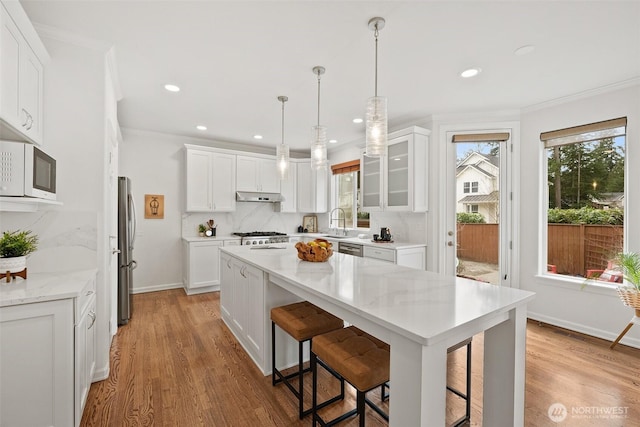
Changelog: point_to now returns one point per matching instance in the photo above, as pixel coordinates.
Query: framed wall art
(310, 223)
(154, 206)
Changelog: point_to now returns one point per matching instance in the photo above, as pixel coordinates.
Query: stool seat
(303, 320)
(358, 357)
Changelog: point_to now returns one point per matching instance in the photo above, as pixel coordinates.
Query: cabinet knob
(449, 243)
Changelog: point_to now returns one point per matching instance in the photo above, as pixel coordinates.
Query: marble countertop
(40, 287)
(208, 239)
(364, 242)
(423, 306)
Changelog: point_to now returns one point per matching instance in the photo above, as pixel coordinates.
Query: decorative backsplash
(67, 240)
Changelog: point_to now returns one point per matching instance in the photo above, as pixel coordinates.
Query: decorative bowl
(318, 250)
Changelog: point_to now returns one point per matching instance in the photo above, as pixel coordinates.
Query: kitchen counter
(40, 287)
(363, 242)
(420, 314)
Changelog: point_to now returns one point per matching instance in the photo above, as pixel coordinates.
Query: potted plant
(629, 292)
(14, 248)
(201, 229)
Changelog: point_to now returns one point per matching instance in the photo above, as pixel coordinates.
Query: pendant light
(376, 115)
(318, 133)
(282, 151)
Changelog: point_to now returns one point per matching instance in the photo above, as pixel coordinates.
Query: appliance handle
(133, 265)
(133, 225)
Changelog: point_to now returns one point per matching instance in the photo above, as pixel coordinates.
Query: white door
(479, 199)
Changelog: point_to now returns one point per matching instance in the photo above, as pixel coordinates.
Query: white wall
(595, 311)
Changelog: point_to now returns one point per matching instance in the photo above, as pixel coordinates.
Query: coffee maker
(385, 234)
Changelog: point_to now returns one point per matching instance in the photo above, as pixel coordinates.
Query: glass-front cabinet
(397, 181)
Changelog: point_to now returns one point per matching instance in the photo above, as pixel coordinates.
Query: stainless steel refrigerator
(126, 240)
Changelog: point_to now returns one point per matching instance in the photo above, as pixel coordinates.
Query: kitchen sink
(334, 236)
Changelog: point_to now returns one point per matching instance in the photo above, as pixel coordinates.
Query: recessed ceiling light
(357, 120)
(172, 88)
(333, 141)
(523, 50)
(201, 127)
(471, 72)
(257, 136)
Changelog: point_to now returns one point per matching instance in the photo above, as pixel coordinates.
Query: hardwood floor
(177, 364)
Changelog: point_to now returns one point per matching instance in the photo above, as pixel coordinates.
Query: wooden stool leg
(621, 335)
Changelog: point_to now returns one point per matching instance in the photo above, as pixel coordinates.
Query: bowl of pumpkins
(318, 250)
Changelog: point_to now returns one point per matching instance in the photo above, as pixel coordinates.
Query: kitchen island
(419, 313)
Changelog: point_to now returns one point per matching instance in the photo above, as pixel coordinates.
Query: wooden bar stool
(359, 358)
(303, 321)
(467, 394)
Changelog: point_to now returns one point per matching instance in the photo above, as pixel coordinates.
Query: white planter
(13, 265)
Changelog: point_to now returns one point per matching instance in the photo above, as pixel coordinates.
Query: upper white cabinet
(312, 191)
(288, 190)
(21, 76)
(257, 174)
(397, 181)
(210, 180)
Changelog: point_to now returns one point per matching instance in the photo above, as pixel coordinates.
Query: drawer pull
(92, 315)
(88, 293)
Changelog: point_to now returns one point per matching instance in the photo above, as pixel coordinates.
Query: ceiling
(232, 59)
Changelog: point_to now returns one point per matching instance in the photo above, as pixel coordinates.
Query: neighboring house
(477, 184)
(608, 201)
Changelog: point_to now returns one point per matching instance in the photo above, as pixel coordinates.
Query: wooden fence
(572, 248)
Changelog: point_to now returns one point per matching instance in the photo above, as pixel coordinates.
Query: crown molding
(582, 95)
(68, 37)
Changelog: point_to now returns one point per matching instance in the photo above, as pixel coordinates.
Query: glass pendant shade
(282, 161)
(319, 147)
(376, 128)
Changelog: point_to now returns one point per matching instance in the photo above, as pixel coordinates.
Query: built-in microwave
(26, 171)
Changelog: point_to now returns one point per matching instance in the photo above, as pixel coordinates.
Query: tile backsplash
(67, 240)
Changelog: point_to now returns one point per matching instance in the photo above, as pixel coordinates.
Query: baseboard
(100, 374)
(578, 327)
(155, 288)
(206, 289)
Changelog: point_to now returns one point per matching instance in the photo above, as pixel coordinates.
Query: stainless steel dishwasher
(350, 248)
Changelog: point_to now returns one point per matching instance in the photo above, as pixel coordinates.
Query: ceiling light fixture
(282, 151)
(318, 133)
(257, 136)
(357, 120)
(172, 88)
(201, 127)
(470, 72)
(376, 125)
(333, 141)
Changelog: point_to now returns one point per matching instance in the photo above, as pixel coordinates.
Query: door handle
(115, 251)
(449, 243)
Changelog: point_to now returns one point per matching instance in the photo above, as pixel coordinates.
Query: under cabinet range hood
(246, 196)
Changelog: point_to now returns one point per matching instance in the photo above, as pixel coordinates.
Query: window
(472, 208)
(470, 187)
(347, 185)
(585, 207)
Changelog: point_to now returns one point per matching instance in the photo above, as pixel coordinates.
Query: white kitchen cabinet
(37, 364)
(21, 76)
(382, 254)
(201, 266)
(47, 355)
(397, 181)
(242, 304)
(408, 257)
(210, 180)
(312, 191)
(288, 189)
(257, 174)
(85, 362)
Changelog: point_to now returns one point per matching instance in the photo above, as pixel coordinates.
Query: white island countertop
(420, 314)
(40, 287)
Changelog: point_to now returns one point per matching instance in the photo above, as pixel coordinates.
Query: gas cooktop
(260, 234)
(262, 237)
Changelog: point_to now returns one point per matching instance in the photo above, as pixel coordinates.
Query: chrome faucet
(344, 220)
